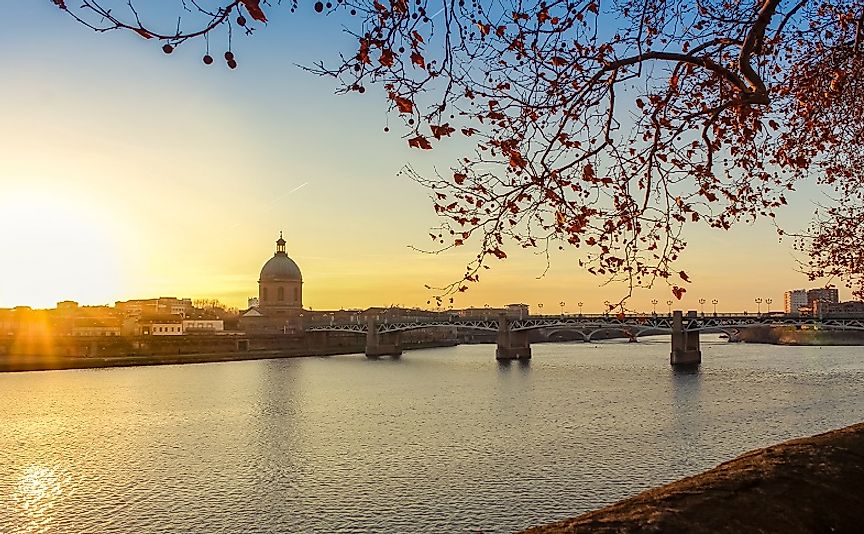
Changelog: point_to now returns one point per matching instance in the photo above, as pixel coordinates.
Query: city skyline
(95, 224)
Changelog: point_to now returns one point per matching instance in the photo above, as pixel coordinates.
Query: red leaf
(468, 132)
(363, 53)
(543, 15)
(443, 130)
(516, 160)
(588, 173)
(420, 142)
(459, 178)
(684, 276)
(417, 36)
(143, 33)
(559, 61)
(678, 292)
(559, 218)
(403, 104)
(418, 60)
(254, 9)
(386, 58)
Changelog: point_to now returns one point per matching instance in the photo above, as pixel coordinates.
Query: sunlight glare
(35, 495)
(53, 249)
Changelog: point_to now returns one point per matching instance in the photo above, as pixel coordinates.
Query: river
(441, 440)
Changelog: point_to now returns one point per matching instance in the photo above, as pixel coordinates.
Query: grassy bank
(813, 484)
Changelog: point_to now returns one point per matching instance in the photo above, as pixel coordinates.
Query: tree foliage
(604, 126)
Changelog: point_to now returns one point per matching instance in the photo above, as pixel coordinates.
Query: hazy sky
(127, 173)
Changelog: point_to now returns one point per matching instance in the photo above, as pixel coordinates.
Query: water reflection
(36, 493)
(686, 369)
(523, 364)
(443, 440)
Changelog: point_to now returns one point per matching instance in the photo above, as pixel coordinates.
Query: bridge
(382, 338)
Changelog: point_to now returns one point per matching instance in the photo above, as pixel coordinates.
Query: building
(849, 308)
(203, 326)
(517, 311)
(159, 325)
(826, 294)
(819, 300)
(97, 327)
(160, 306)
(280, 297)
(794, 300)
(280, 285)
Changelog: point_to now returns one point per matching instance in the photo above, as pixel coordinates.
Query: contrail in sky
(266, 208)
(270, 205)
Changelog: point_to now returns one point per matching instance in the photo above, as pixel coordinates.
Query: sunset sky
(128, 173)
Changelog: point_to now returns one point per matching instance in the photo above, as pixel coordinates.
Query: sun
(56, 246)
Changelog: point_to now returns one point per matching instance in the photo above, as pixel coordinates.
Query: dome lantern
(280, 268)
(280, 245)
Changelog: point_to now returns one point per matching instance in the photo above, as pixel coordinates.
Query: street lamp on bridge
(562, 308)
(654, 304)
(606, 309)
(714, 302)
(702, 306)
(768, 305)
(580, 308)
(758, 302)
(669, 304)
(540, 307)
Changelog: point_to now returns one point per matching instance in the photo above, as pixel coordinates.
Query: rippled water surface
(443, 440)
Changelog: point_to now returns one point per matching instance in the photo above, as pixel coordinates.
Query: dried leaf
(420, 142)
(254, 9)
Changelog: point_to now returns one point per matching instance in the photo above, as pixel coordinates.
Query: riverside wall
(22, 354)
(807, 485)
(790, 335)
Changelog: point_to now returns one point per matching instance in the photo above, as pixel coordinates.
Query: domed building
(280, 297)
(280, 285)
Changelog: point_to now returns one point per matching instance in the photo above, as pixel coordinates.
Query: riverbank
(789, 335)
(813, 484)
(40, 363)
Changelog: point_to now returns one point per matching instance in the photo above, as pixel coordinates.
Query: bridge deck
(636, 324)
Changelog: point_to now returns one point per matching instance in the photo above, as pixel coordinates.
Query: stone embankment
(789, 335)
(14, 363)
(807, 485)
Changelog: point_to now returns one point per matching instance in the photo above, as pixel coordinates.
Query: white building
(166, 325)
(202, 326)
(793, 300)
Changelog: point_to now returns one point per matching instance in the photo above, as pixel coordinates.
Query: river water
(442, 440)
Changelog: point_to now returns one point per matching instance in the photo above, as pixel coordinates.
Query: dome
(280, 268)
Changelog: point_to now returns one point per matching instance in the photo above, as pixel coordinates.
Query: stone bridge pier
(685, 344)
(511, 345)
(381, 344)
